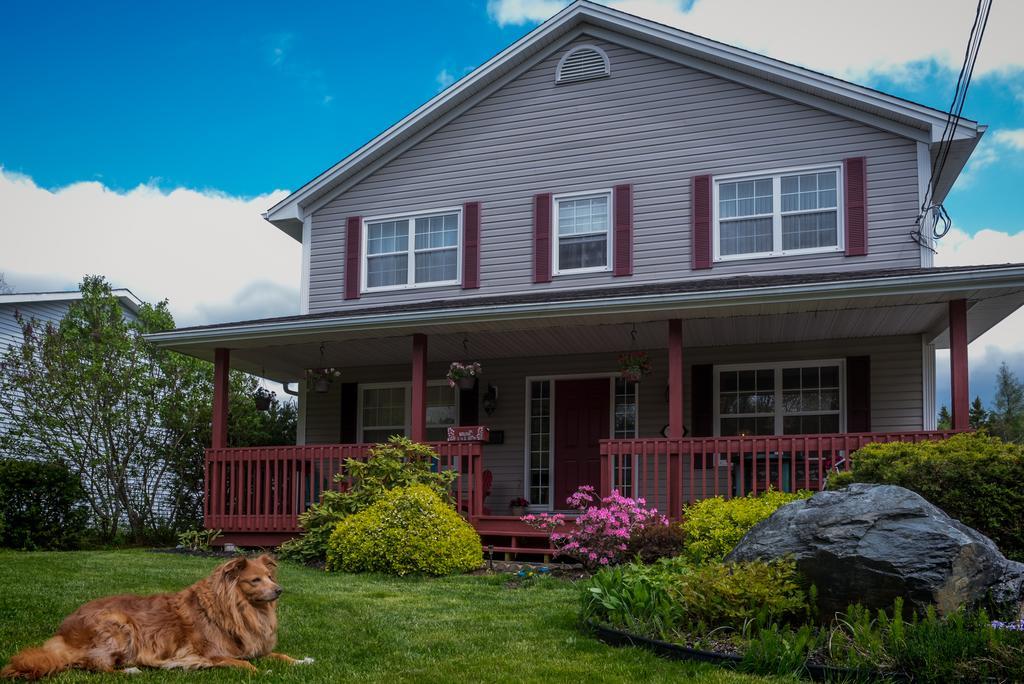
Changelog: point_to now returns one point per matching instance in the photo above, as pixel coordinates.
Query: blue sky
(201, 113)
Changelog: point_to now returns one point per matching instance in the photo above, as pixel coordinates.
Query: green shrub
(398, 463)
(408, 530)
(42, 506)
(672, 596)
(972, 477)
(654, 542)
(198, 540)
(714, 526)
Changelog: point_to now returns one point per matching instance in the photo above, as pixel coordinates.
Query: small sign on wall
(469, 433)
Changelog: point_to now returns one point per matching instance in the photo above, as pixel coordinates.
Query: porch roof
(715, 310)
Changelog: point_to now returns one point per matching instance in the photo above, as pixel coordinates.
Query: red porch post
(221, 366)
(958, 364)
(419, 387)
(675, 416)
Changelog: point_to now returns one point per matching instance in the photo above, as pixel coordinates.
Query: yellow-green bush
(972, 477)
(714, 526)
(408, 530)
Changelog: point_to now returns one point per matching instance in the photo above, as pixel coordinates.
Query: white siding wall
(896, 397)
(654, 124)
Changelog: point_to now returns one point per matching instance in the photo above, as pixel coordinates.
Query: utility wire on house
(934, 214)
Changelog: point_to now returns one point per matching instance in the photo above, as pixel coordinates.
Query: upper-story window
(772, 214)
(583, 241)
(412, 251)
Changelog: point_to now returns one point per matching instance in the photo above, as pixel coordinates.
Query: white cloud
(848, 39)
(211, 255)
(444, 79)
(1011, 137)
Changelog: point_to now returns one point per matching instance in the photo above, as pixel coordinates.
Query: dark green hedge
(42, 506)
(975, 478)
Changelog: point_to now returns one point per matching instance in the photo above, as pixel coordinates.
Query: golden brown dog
(223, 620)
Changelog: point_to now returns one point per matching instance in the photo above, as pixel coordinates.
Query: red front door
(581, 420)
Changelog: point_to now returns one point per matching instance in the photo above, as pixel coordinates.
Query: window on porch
(779, 399)
(386, 411)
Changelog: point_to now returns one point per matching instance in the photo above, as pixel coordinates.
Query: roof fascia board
(779, 69)
(912, 284)
(125, 296)
(447, 117)
(761, 84)
(426, 109)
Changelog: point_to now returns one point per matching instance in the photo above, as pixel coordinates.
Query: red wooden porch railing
(671, 472)
(264, 489)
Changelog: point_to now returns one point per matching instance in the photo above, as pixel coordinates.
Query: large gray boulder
(870, 543)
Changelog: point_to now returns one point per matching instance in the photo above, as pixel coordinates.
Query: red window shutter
(702, 400)
(701, 217)
(471, 246)
(353, 239)
(856, 200)
(542, 238)
(623, 253)
(858, 394)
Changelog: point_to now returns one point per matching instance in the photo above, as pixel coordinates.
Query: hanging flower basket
(320, 379)
(463, 375)
(634, 365)
(262, 397)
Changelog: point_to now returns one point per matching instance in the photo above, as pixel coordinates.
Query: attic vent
(582, 63)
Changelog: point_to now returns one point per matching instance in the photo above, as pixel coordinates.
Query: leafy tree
(90, 393)
(4, 287)
(978, 416)
(945, 419)
(1007, 417)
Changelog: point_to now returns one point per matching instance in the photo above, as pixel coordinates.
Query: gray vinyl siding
(10, 331)
(896, 395)
(653, 124)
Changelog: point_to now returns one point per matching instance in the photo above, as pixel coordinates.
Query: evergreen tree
(978, 417)
(1007, 416)
(945, 420)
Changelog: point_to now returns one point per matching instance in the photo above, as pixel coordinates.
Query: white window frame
(776, 177)
(407, 386)
(777, 367)
(556, 270)
(410, 283)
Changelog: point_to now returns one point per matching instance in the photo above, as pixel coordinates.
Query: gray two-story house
(608, 185)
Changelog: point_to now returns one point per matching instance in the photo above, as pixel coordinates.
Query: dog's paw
(304, 661)
(131, 671)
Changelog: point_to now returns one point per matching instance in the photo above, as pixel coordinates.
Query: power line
(935, 213)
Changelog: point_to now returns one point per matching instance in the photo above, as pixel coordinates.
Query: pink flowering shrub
(603, 528)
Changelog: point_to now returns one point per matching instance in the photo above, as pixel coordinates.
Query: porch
(754, 382)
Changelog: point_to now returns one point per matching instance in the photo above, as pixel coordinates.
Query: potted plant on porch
(634, 365)
(463, 374)
(262, 398)
(320, 379)
(519, 506)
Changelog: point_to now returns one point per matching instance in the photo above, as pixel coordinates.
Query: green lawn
(357, 627)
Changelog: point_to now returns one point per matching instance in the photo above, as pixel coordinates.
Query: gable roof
(850, 100)
(127, 299)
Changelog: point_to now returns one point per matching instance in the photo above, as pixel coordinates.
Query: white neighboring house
(46, 307)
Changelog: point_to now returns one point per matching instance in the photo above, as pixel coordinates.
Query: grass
(359, 628)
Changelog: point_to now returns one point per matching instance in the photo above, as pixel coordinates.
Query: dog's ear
(234, 566)
(268, 560)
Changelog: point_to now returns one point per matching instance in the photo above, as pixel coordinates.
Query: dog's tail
(34, 663)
